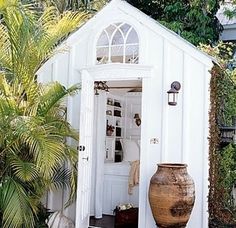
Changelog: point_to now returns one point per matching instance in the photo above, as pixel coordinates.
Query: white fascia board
(166, 33)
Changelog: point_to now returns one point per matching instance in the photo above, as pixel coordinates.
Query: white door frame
(118, 71)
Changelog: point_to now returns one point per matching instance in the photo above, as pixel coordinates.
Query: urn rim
(172, 165)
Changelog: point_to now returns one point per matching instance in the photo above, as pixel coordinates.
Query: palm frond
(6, 109)
(53, 94)
(17, 211)
(71, 154)
(5, 54)
(25, 171)
(7, 3)
(57, 120)
(45, 145)
(73, 185)
(61, 179)
(54, 28)
(97, 5)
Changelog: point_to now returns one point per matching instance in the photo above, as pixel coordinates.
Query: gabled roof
(151, 24)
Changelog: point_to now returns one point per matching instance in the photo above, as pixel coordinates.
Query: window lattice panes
(118, 43)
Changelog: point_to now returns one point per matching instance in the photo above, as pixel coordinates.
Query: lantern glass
(172, 98)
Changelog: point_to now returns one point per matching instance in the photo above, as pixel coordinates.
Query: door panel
(85, 151)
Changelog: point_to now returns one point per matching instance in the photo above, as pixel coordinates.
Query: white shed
(138, 59)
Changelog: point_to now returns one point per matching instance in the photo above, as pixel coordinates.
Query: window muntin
(118, 43)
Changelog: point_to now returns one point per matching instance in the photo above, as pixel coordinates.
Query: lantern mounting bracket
(176, 85)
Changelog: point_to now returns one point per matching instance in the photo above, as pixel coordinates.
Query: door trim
(117, 71)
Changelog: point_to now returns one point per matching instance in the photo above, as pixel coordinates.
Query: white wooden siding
(182, 130)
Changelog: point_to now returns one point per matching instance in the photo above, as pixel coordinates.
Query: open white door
(85, 151)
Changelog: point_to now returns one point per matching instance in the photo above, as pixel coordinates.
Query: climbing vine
(226, 83)
(227, 172)
(222, 158)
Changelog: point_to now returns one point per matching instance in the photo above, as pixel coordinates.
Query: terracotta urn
(171, 195)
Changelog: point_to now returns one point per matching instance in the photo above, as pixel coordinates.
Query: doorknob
(81, 148)
(87, 158)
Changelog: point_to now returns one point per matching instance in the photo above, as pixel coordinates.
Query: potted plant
(110, 130)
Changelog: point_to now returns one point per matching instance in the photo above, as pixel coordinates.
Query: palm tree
(33, 129)
(74, 5)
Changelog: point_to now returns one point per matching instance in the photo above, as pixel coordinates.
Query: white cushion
(130, 150)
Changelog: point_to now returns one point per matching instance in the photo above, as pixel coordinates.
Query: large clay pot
(171, 195)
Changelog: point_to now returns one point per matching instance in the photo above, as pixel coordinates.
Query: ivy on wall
(227, 171)
(226, 85)
(222, 174)
(214, 141)
(222, 159)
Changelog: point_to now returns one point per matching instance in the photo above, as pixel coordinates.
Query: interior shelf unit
(114, 128)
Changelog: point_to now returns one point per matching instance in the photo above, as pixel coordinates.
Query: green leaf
(17, 210)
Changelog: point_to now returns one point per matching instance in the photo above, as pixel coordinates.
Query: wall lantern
(137, 119)
(100, 85)
(173, 93)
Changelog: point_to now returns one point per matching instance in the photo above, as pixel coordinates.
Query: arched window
(118, 43)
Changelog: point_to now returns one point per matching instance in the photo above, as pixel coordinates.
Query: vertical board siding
(45, 75)
(152, 98)
(164, 136)
(186, 97)
(196, 104)
(173, 117)
(61, 68)
(72, 114)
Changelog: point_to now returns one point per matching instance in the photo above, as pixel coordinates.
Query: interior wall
(133, 106)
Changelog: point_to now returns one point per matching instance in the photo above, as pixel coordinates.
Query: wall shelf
(115, 119)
